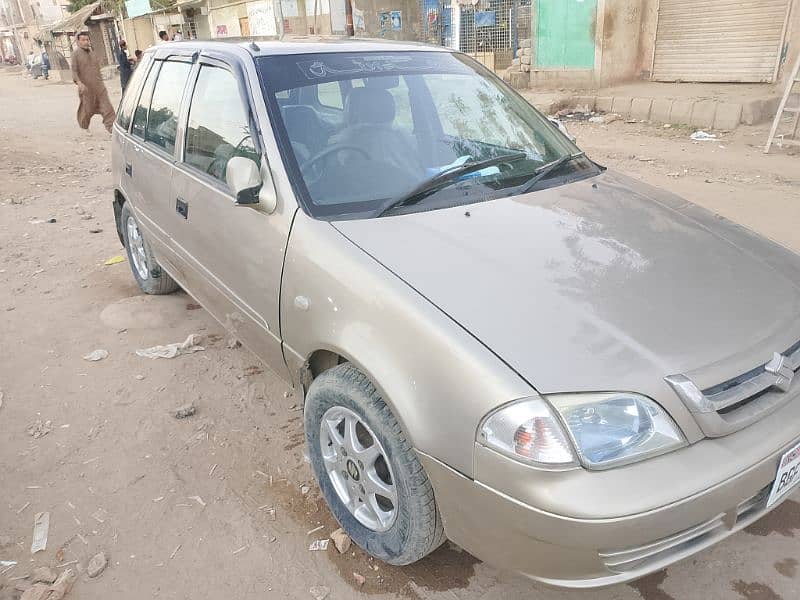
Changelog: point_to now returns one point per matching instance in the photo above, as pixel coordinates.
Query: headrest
(369, 105)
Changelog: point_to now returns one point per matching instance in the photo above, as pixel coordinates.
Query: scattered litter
(233, 343)
(191, 344)
(213, 468)
(646, 159)
(319, 592)
(596, 119)
(197, 499)
(100, 515)
(39, 428)
(341, 540)
(360, 579)
(186, 410)
(91, 460)
(304, 489)
(41, 525)
(174, 552)
(159, 499)
(242, 549)
(611, 117)
(96, 355)
(667, 126)
(114, 260)
(43, 575)
(139, 377)
(318, 545)
(1, 399)
(60, 554)
(97, 564)
(193, 306)
(702, 136)
(23, 507)
(315, 530)
(96, 230)
(7, 563)
(66, 564)
(83, 539)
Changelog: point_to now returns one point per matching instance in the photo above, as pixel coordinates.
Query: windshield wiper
(443, 179)
(545, 170)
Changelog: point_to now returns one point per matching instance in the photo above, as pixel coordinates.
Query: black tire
(417, 528)
(157, 281)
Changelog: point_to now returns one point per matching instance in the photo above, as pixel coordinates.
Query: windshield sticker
(322, 68)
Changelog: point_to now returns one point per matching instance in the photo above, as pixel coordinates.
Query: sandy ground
(219, 505)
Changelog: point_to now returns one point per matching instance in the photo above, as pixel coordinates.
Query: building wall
(620, 51)
(792, 44)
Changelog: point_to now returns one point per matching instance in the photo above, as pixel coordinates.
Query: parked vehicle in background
(569, 373)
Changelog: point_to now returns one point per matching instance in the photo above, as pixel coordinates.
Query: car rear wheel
(367, 471)
(152, 279)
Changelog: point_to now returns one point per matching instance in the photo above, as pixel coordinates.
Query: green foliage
(75, 5)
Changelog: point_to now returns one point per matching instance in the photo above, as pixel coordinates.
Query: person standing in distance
(124, 64)
(92, 92)
(163, 36)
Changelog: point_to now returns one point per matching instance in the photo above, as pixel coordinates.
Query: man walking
(91, 89)
(124, 65)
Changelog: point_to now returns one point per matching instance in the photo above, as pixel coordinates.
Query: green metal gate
(565, 34)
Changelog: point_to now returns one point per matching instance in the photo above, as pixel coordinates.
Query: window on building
(162, 122)
(219, 123)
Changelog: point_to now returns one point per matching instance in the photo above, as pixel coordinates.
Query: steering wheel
(326, 153)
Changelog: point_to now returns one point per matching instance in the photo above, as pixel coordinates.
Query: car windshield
(368, 134)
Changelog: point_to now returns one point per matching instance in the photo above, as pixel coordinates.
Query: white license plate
(788, 475)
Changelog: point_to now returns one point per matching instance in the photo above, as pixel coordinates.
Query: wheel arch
(119, 200)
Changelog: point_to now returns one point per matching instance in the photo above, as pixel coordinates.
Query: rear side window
(140, 114)
(219, 123)
(162, 123)
(132, 93)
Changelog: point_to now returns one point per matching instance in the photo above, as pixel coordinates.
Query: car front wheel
(367, 471)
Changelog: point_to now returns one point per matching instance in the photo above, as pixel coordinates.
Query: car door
(152, 155)
(232, 255)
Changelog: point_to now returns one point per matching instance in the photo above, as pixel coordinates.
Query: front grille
(742, 400)
(688, 541)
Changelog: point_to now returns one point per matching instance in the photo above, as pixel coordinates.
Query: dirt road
(219, 505)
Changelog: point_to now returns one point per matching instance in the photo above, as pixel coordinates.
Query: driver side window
(219, 124)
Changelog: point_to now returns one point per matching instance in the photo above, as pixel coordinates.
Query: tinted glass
(162, 123)
(406, 117)
(128, 102)
(219, 124)
(140, 115)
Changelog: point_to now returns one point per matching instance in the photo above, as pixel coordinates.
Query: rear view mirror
(244, 179)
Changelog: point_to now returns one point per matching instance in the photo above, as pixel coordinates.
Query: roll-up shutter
(719, 40)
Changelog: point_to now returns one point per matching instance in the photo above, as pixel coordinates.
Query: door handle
(182, 207)
(129, 169)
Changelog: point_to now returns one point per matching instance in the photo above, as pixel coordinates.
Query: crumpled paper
(190, 345)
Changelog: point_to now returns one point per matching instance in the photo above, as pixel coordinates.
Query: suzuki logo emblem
(778, 366)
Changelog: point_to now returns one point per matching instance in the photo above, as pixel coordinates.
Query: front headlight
(607, 430)
(528, 431)
(612, 429)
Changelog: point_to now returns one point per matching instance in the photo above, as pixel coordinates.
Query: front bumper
(581, 552)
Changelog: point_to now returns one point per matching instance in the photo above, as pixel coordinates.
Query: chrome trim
(743, 401)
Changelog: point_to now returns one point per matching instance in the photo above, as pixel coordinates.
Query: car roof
(300, 45)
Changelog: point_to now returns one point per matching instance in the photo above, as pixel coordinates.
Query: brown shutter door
(719, 40)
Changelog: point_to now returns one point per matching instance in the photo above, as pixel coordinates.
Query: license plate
(788, 475)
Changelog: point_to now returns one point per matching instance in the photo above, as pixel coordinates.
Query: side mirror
(244, 178)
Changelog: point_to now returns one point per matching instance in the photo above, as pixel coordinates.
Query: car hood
(603, 284)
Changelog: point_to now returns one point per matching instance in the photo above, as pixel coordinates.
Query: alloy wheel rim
(358, 468)
(136, 245)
